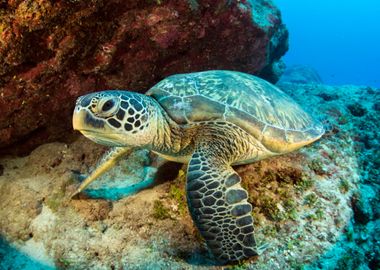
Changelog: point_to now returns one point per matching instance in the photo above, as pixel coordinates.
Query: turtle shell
(253, 104)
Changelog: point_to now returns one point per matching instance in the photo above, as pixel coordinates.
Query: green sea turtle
(210, 120)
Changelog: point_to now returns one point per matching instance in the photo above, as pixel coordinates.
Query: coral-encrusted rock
(53, 51)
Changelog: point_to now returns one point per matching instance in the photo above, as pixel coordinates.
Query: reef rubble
(317, 208)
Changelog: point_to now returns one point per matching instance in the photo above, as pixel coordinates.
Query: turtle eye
(108, 105)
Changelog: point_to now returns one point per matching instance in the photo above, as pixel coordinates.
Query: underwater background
(318, 208)
(340, 39)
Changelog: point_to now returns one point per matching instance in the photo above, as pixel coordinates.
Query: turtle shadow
(167, 172)
(201, 257)
(198, 257)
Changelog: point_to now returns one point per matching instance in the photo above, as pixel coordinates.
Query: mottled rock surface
(53, 51)
(349, 113)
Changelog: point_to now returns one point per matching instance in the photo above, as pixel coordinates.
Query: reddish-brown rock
(54, 51)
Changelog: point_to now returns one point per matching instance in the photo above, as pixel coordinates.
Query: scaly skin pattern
(218, 205)
(217, 202)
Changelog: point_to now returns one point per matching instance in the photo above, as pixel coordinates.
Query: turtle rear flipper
(219, 207)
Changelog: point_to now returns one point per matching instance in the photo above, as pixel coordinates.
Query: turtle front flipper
(219, 207)
(107, 161)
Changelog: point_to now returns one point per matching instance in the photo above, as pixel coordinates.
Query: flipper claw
(74, 195)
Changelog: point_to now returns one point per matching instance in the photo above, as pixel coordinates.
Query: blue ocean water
(340, 39)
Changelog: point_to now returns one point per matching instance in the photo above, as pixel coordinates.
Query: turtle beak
(84, 121)
(93, 128)
(79, 114)
(82, 118)
(78, 119)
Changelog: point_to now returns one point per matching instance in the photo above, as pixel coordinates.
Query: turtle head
(116, 118)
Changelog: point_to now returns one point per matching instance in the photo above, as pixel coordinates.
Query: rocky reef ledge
(318, 208)
(51, 52)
